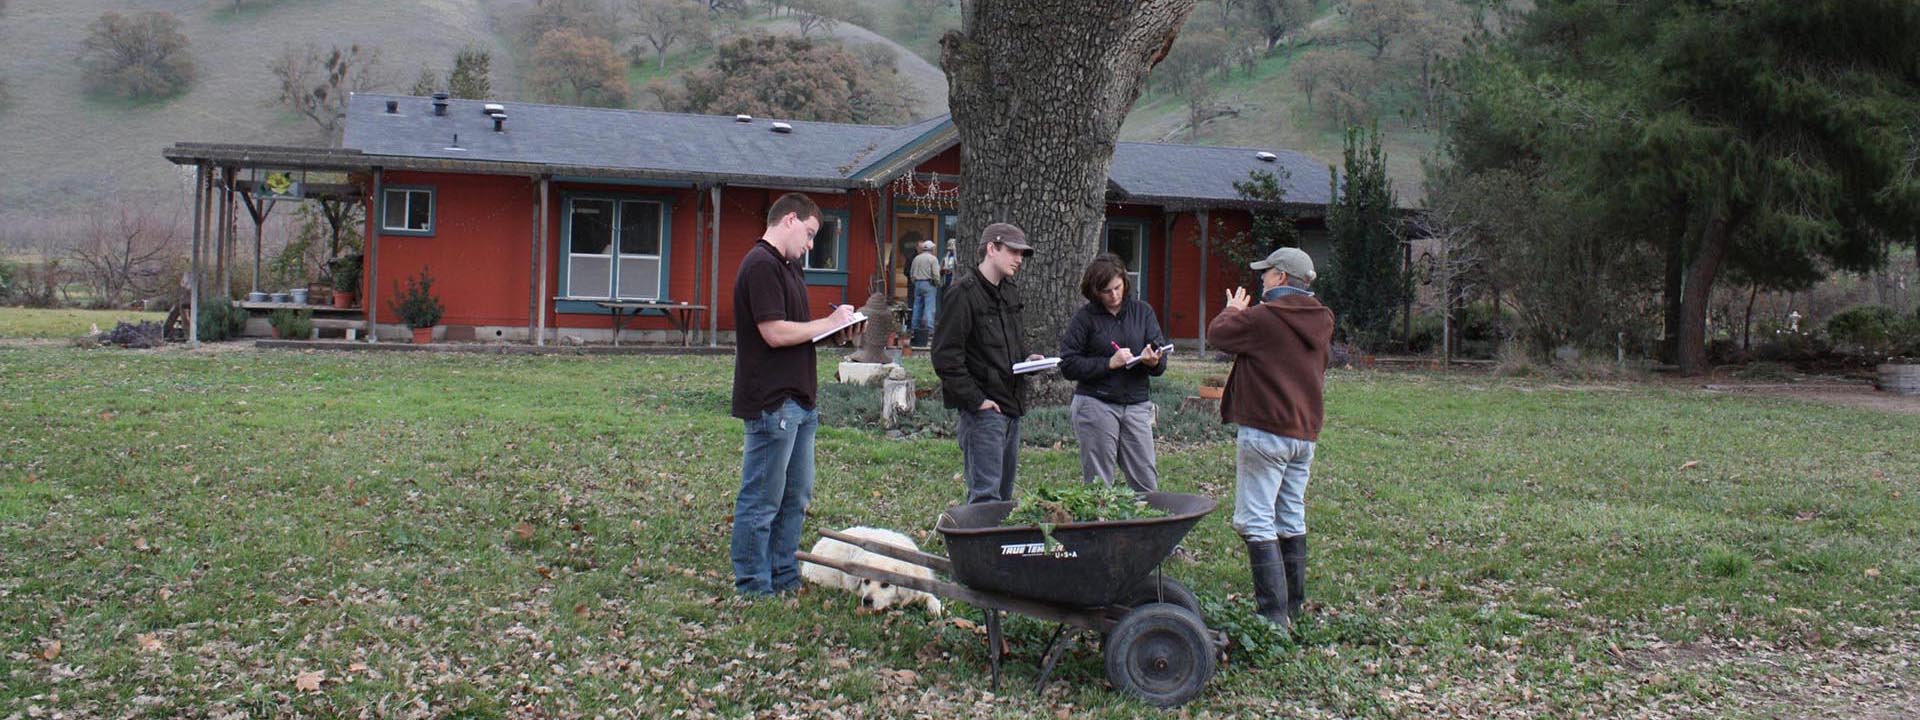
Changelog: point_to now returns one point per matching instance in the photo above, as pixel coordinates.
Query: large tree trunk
(1716, 237)
(1038, 89)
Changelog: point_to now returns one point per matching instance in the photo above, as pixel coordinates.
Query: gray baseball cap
(1292, 261)
(1006, 234)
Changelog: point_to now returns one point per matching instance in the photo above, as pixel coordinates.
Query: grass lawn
(65, 322)
(308, 534)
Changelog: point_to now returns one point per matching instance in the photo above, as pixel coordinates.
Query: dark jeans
(989, 450)
(776, 483)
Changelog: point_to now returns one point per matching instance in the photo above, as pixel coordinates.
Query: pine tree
(1364, 282)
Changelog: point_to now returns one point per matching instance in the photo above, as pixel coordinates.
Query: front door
(908, 231)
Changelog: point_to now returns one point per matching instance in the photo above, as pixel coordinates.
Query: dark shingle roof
(716, 147)
(1155, 173)
(621, 139)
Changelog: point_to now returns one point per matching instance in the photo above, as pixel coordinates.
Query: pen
(1116, 346)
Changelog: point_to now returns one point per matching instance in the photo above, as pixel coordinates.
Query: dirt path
(1826, 392)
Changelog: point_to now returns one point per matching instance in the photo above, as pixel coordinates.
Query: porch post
(193, 273)
(1201, 216)
(540, 325)
(533, 264)
(713, 284)
(1166, 276)
(370, 280)
(699, 243)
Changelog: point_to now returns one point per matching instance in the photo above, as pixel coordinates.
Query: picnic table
(681, 315)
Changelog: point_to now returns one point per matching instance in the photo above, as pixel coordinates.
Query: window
(406, 211)
(614, 249)
(1128, 240)
(826, 263)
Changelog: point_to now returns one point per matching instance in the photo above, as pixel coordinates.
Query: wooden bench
(680, 315)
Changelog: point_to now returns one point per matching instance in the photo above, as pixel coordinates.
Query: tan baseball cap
(1292, 261)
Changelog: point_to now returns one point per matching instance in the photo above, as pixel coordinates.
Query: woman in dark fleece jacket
(1111, 347)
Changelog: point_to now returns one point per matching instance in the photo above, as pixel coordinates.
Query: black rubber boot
(1294, 551)
(1269, 581)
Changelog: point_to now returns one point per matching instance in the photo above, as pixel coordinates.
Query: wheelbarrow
(1098, 576)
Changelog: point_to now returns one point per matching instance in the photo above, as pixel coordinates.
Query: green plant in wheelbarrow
(1050, 505)
(289, 324)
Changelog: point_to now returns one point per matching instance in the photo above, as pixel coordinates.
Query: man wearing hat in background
(976, 340)
(925, 275)
(1281, 349)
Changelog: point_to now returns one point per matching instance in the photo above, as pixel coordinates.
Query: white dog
(874, 596)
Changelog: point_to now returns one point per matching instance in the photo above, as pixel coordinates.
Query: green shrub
(416, 304)
(346, 273)
(220, 320)
(1868, 329)
(292, 324)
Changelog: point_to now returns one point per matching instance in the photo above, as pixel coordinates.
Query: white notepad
(858, 317)
(1164, 350)
(1031, 366)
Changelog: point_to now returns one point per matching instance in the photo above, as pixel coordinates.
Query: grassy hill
(66, 150)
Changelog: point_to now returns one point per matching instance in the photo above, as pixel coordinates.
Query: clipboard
(858, 317)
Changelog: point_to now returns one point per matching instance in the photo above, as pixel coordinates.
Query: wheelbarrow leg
(993, 646)
(1056, 647)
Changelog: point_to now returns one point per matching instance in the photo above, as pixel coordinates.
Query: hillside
(65, 150)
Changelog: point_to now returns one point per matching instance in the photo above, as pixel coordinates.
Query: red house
(533, 219)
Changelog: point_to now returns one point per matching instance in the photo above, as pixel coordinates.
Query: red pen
(1116, 346)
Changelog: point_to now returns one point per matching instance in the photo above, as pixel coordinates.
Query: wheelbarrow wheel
(1160, 588)
(1160, 653)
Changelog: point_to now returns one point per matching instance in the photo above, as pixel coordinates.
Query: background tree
(1437, 34)
(822, 15)
(591, 18)
(1276, 18)
(1188, 72)
(1038, 90)
(1342, 81)
(579, 69)
(1364, 282)
(472, 74)
(1269, 230)
(793, 78)
(137, 56)
(1377, 23)
(125, 253)
(317, 84)
(662, 24)
(1769, 134)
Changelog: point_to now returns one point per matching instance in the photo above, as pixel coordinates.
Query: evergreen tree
(1364, 283)
(470, 78)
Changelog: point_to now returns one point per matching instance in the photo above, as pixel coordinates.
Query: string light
(930, 194)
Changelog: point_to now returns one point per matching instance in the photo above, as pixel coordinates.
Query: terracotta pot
(343, 300)
(1212, 393)
(422, 336)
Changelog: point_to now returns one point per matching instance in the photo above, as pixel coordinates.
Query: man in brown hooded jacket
(1281, 349)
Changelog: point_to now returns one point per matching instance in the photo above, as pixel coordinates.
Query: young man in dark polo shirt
(774, 384)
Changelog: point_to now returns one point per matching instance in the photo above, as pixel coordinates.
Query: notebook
(1032, 366)
(858, 317)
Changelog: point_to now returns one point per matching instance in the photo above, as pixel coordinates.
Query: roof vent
(782, 128)
(393, 107)
(499, 121)
(492, 108)
(440, 103)
(743, 117)
(1265, 156)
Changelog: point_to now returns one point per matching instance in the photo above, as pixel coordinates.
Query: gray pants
(1108, 431)
(989, 447)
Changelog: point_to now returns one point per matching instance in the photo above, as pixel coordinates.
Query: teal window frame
(433, 212)
(570, 304)
(1138, 288)
(830, 276)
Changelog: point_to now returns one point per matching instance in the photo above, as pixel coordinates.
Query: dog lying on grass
(874, 596)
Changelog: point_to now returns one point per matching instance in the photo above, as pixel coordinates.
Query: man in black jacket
(977, 338)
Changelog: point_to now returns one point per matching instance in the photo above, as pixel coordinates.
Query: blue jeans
(926, 298)
(989, 451)
(1270, 485)
(776, 483)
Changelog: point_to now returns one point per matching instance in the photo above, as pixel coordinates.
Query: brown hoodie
(1281, 349)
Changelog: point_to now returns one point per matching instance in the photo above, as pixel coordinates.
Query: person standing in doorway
(976, 341)
(1111, 349)
(774, 386)
(1281, 349)
(925, 275)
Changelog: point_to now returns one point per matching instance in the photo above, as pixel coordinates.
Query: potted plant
(417, 307)
(289, 324)
(346, 280)
(1213, 387)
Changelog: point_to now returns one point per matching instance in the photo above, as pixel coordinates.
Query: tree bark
(1039, 89)
(1714, 241)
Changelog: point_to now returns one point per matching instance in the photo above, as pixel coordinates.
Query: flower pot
(343, 300)
(1901, 378)
(257, 296)
(299, 295)
(1212, 393)
(422, 336)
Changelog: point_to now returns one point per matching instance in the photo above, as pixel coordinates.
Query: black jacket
(977, 337)
(1087, 345)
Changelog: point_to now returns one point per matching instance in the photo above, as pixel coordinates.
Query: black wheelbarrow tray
(1100, 576)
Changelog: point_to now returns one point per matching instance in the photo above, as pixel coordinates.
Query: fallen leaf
(1689, 465)
(52, 651)
(1873, 572)
(358, 667)
(524, 530)
(309, 681)
(140, 544)
(580, 610)
(544, 572)
(106, 417)
(147, 642)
